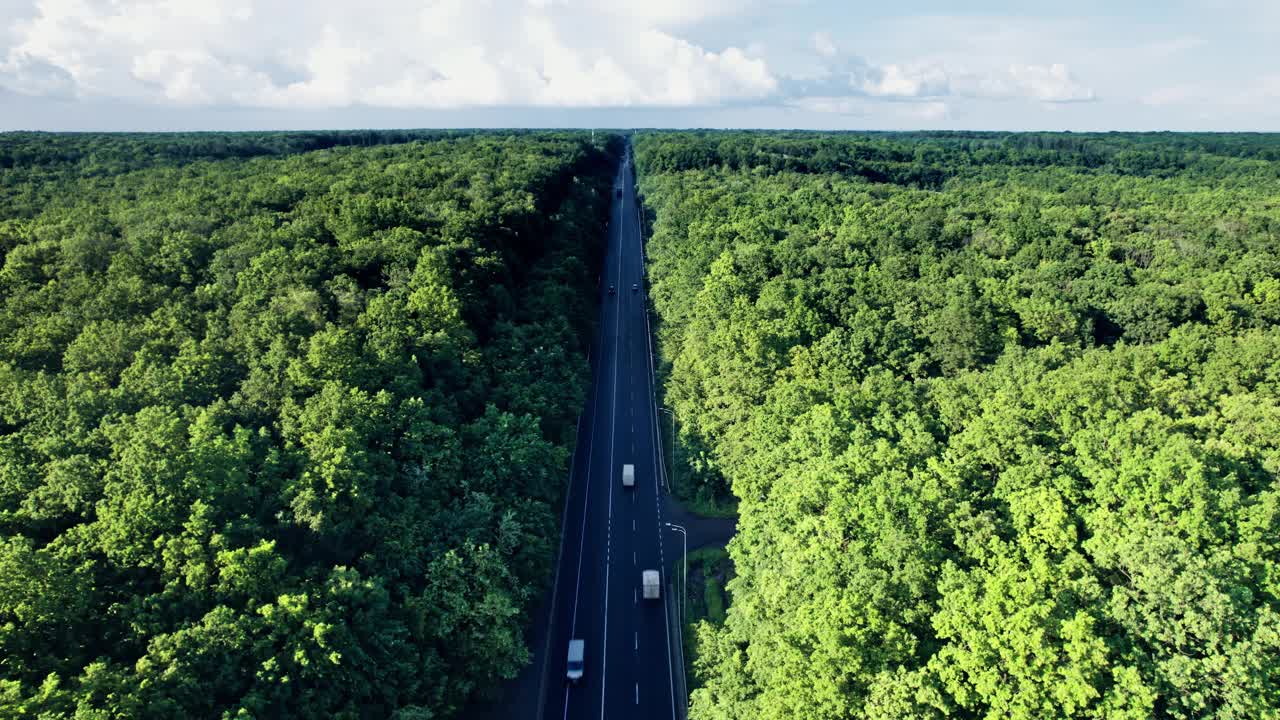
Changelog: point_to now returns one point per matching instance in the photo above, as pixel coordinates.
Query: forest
(1000, 412)
(285, 418)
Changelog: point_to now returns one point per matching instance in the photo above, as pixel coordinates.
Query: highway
(612, 533)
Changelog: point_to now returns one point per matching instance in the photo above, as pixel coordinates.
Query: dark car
(635, 287)
(611, 290)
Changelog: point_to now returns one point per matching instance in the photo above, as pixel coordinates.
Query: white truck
(650, 584)
(628, 475)
(574, 671)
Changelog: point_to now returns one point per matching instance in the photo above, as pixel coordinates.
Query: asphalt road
(613, 533)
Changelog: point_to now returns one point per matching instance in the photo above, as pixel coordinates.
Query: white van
(651, 584)
(574, 672)
(628, 475)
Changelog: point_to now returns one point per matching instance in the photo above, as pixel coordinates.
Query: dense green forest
(1001, 414)
(284, 419)
(107, 153)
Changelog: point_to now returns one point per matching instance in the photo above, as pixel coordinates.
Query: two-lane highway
(613, 533)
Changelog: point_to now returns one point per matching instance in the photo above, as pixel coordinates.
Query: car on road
(577, 648)
(635, 287)
(612, 290)
(650, 584)
(628, 475)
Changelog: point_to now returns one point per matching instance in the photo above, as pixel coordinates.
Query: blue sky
(912, 64)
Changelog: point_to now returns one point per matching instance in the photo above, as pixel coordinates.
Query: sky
(823, 64)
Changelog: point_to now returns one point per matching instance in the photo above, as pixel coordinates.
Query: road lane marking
(637, 693)
(637, 636)
(613, 426)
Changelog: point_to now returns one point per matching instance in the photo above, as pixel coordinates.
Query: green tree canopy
(1000, 413)
(284, 417)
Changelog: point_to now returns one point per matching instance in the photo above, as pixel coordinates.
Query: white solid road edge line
(659, 451)
(555, 583)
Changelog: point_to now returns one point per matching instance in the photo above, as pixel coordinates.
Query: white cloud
(905, 114)
(1046, 83)
(1051, 83)
(823, 43)
(26, 75)
(909, 81)
(853, 107)
(662, 13)
(854, 76)
(381, 53)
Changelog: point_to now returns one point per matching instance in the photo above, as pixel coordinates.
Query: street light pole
(673, 439)
(684, 590)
